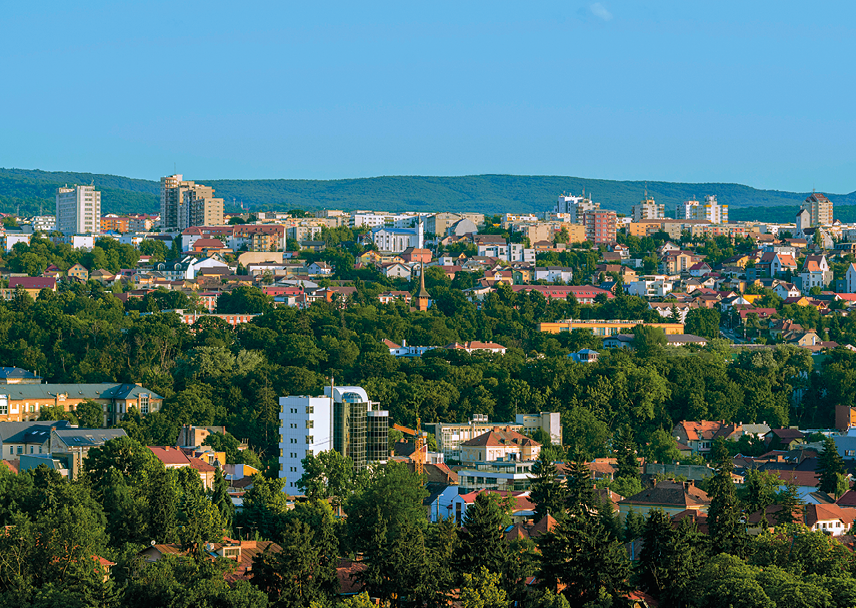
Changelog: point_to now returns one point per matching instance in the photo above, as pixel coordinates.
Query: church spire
(423, 297)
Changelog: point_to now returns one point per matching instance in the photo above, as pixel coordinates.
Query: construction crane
(419, 450)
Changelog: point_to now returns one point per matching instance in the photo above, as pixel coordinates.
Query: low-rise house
(699, 435)
(390, 296)
(79, 272)
(20, 438)
(16, 375)
(815, 272)
(672, 497)
(784, 439)
(522, 508)
(502, 444)
(72, 445)
(321, 268)
(241, 551)
(402, 350)
(585, 355)
(787, 290)
(834, 520)
(175, 458)
(476, 346)
(31, 285)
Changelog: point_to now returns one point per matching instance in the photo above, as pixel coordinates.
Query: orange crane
(419, 450)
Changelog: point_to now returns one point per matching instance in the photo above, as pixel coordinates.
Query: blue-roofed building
(16, 375)
(20, 438)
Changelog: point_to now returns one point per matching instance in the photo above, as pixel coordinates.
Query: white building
(44, 223)
(575, 207)
(549, 422)
(648, 210)
(396, 240)
(509, 252)
(78, 210)
(344, 419)
(710, 210)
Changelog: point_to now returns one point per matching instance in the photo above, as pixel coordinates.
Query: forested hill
(483, 193)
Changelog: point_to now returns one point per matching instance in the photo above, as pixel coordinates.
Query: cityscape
(351, 334)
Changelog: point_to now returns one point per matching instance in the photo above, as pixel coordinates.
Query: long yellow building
(607, 328)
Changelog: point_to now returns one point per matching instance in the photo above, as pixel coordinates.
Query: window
(20, 449)
(144, 404)
(310, 439)
(4, 409)
(310, 409)
(310, 424)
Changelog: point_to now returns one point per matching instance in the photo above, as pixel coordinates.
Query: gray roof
(16, 372)
(88, 438)
(104, 390)
(29, 432)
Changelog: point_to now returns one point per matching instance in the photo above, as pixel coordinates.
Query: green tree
(482, 541)
(663, 448)
(329, 474)
(625, 453)
(546, 491)
(830, 465)
(725, 519)
(56, 412)
(90, 414)
(703, 322)
(483, 590)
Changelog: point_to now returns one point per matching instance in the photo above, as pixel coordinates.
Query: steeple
(423, 298)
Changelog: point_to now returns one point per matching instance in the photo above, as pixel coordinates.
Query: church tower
(423, 298)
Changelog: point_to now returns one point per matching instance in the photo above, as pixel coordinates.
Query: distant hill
(482, 193)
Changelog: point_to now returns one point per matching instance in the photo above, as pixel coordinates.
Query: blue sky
(760, 93)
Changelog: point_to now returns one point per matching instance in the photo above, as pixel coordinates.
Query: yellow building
(607, 328)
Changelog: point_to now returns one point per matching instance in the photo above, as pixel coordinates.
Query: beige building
(607, 328)
(186, 203)
(818, 206)
(502, 444)
(648, 210)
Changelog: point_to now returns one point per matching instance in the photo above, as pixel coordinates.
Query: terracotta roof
(12, 465)
(816, 513)
(169, 455)
(531, 530)
(807, 479)
(707, 429)
(347, 572)
(200, 465)
(700, 519)
(500, 438)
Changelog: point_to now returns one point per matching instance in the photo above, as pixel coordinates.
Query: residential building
(601, 226)
(575, 207)
(344, 419)
(31, 285)
(499, 444)
(19, 438)
(648, 209)
(78, 210)
(114, 223)
(16, 375)
(815, 273)
(176, 458)
(710, 211)
(72, 445)
(186, 203)
(584, 294)
(606, 328)
(699, 435)
(44, 223)
(672, 497)
(850, 278)
(819, 210)
(22, 402)
(78, 271)
(477, 347)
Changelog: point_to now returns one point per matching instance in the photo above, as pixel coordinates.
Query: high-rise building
(344, 419)
(710, 210)
(819, 208)
(186, 203)
(575, 206)
(78, 210)
(601, 226)
(648, 210)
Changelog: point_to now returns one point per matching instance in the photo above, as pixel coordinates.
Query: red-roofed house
(699, 435)
(522, 508)
(502, 444)
(476, 346)
(32, 285)
(832, 519)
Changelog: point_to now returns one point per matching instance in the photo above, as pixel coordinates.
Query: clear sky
(760, 93)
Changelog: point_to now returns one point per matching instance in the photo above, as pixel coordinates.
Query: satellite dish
(153, 543)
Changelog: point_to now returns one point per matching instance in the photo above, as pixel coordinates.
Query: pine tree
(625, 453)
(220, 498)
(789, 499)
(727, 531)
(546, 491)
(829, 466)
(651, 571)
(580, 554)
(482, 537)
(580, 495)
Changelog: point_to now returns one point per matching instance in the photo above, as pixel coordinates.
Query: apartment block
(819, 208)
(78, 210)
(648, 209)
(343, 419)
(601, 226)
(575, 207)
(710, 210)
(186, 203)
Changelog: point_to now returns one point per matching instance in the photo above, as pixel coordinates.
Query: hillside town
(674, 380)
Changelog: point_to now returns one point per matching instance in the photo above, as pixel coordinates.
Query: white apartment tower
(575, 206)
(78, 210)
(648, 210)
(344, 419)
(710, 210)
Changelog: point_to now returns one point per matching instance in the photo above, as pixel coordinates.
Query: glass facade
(349, 429)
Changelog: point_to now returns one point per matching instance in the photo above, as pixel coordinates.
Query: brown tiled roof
(815, 513)
(700, 519)
(347, 572)
(670, 493)
(200, 465)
